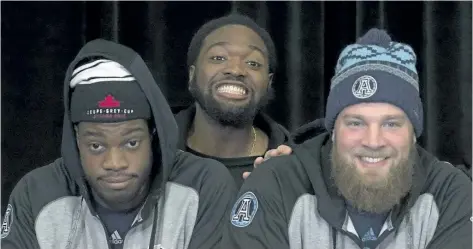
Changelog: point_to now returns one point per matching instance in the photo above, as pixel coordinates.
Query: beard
(377, 196)
(228, 114)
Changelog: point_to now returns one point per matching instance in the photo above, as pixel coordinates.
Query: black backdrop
(39, 39)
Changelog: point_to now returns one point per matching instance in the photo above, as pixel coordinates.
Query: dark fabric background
(39, 39)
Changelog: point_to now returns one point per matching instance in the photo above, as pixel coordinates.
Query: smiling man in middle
(231, 64)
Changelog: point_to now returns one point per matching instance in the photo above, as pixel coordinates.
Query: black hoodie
(292, 202)
(51, 207)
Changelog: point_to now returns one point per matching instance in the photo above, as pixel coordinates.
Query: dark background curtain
(39, 39)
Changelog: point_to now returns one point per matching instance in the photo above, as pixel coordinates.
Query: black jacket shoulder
(441, 176)
(282, 177)
(193, 171)
(46, 184)
(31, 194)
(446, 182)
(451, 191)
(216, 190)
(267, 198)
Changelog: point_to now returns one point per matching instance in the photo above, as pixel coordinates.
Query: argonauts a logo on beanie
(376, 70)
(364, 87)
(104, 91)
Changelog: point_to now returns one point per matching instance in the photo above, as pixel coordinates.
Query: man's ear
(153, 133)
(333, 136)
(270, 79)
(76, 130)
(191, 74)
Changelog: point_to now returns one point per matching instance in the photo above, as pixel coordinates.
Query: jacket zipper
(352, 237)
(105, 232)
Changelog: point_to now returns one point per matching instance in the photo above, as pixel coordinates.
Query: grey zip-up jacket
(292, 202)
(50, 207)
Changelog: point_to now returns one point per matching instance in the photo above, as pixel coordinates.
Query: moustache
(380, 153)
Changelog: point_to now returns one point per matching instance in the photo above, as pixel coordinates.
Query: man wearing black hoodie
(362, 182)
(231, 65)
(121, 181)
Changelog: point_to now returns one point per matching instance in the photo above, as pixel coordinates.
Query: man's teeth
(232, 89)
(372, 159)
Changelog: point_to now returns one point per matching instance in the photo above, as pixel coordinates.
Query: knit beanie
(376, 69)
(232, 19)
(104, 91)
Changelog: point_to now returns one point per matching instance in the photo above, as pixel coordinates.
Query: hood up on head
(163, 118)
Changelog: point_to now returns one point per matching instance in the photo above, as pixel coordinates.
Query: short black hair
(207, 28)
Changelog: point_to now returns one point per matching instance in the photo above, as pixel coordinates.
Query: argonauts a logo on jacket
(244, 210)
(7, 221)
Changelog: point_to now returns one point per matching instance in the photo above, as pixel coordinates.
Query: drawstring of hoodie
(158, 206)
(410, 231)
(153, 230)
(334, 238)
(76, 226)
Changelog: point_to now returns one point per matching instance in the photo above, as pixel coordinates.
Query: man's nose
(235, 67)
(115, 160)
(373, 137)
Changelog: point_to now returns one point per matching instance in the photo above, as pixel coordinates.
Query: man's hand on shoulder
(281, 150)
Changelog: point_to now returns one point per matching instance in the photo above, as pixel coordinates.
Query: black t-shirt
(237, 166)
(277, 135)
(117, 224)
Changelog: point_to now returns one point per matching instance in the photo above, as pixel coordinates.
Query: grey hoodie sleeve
(215, 196)
(18, 229)
(454, 228)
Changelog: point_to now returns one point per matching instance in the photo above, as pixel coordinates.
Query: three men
(121, 181)
(231, 65)
(364, 182)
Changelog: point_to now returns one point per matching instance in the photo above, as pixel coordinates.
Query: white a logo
(243, 213)
(364, 87)
(7, 221)
(244, 210)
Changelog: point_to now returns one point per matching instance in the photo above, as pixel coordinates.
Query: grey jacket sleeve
(454, 228)
(18, 230)
(216, 194)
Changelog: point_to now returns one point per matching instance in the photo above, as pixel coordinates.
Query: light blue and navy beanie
(376, 69)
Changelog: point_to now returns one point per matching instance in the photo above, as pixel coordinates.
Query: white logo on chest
(115, 238)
